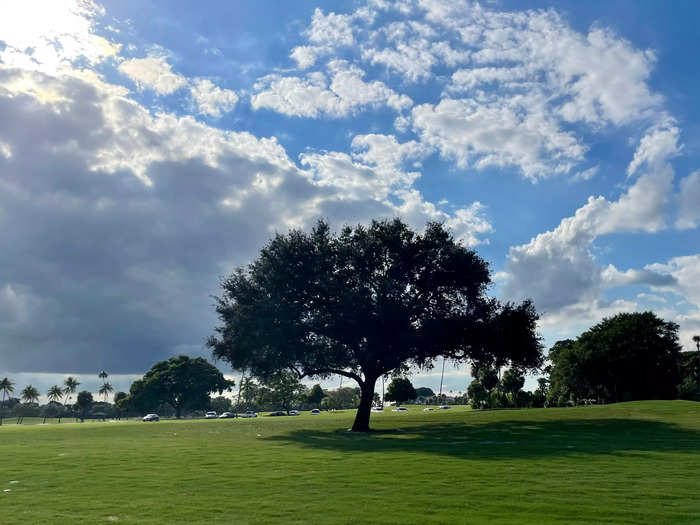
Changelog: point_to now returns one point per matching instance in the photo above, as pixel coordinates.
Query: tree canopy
(283, 390)
(625, 357)
(316, 395)
(400, 390)
(368, 301)
(182, 382)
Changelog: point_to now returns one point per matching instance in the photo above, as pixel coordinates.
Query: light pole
(442, 376)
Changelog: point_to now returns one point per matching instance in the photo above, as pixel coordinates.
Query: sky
(149, 148)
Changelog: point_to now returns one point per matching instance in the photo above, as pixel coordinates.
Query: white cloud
(658, 145)
(305, 56)
(685, 271)
(689, 199)
(47, 36)
(587, 174)
(153, 73)
(557, 268)
(331, 29)
(481, 134)
(211, 99)
(314, 97)
(523, 79)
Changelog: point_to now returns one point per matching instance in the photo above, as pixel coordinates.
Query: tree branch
(321, 371)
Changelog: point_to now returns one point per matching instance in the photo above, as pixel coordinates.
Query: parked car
(227, 415)
(293, 413)
(377, 409)
(315, 412)
(277, 413)
(428, 409)
(400, 409)
(444, 407)
(210, 415)
(151, 417)
(250, 413)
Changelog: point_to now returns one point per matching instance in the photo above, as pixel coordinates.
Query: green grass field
(628, 463)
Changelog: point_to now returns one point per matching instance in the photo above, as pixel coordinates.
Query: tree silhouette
(29, 394)
(55, 393)
(364, 303)
(400, 390)
(84, 402)
(70, 385)
(7, 387)
(105, 390)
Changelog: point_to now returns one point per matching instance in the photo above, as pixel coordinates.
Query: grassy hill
(627, 463)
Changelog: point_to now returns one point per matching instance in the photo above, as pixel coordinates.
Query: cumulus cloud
(689, 200)
(153, 73)
(313, 96)
(518, 133)
(558, 269)
(139, 215)
(211, 99)
(517, 81)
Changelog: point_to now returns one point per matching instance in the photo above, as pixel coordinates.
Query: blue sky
(148, 148)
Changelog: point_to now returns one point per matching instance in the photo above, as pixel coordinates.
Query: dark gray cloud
(116, 225)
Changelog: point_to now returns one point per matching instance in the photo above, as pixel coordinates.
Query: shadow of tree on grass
(509, 439)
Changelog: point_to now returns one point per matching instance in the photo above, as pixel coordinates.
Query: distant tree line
(629, 356)
(59, 399)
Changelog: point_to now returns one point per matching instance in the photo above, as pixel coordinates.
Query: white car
(227, 415)
(315, 412)
(377, 409)
(444, 407)
(151, 417)
(428, 409)
(210, 415)
(400, 409)
(293, 412)
(250, 413)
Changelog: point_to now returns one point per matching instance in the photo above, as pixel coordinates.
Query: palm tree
(70, 385)
(106, 389)
(55, 393)
(30, 394)
(7, 387)
(103, 375)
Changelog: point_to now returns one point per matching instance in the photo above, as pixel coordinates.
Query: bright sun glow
(47, 35)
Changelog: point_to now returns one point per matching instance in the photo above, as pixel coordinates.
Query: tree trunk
(361, 423)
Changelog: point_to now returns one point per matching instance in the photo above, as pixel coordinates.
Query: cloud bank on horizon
(136, 171)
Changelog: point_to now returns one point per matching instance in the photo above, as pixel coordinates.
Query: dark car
(277, 413)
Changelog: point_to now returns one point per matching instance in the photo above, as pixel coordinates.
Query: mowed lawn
(627, 463)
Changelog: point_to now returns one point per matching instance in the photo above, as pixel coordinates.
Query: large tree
(182, 382)
(400, 390)
(367, 302)
(625, 357)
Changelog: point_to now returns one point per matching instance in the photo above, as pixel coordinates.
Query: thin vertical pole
(442, 376)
